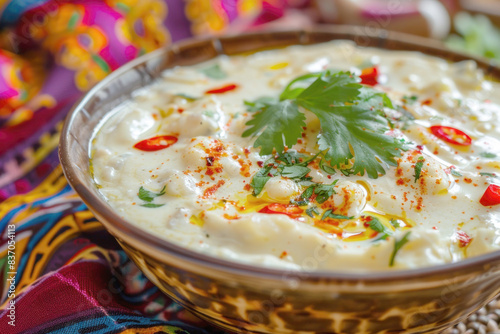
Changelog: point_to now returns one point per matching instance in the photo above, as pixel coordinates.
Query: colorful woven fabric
(61, 272)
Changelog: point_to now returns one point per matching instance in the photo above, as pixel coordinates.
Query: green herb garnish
(330, 214)
(312, 211)
(410, 99)
(351, 116)
(290, 164)
(488, 155)
(148, 197)
(455, 173)
(418, 167)
(152, 205)
(397, 246)
(395, 223)
(214, 72)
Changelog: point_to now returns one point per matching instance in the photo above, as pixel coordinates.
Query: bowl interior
(120, 85)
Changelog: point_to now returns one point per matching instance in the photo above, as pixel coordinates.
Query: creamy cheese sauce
(207, 203)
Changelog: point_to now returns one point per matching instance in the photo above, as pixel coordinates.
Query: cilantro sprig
(418, 167)
(376, 225)
(398, 244)
(351, 117)
(148, 197)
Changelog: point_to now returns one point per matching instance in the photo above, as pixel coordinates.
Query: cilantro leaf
(410, 99)
(324, 191)
(152, 205)
(330, 214)
(376, 225)
(455, 173)
(418, 168)
(397, 246)
(148, 196)
(281, 124)
(488, 155)
(260, 179)
(326, 168)
(291, 93)
(351, 131)
(214, 72)
(352, 123)
(312, 211)
(329, 89)
(293, 172)
(352, 119)
(395, 223)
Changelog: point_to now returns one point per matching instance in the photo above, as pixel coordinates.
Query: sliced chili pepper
(463, 239)
(451, 135)
(369, 76)
(284, 209)
(156, 143)
(222, 89)
(491, 196)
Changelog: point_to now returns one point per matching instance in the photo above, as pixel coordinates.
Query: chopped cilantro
(410, 99)
(299, 203)
(397, 246)
(326, 168)
(211, 114)
(148, 197)
(293, 172)
(395, 223)
(308, 192)
(377, 226)
(351, 116)
(418, 167)
(488, 174)
(324, 191)
(488, 155)
(330, 214)
(214, 72)
(455, 173)
(312, 211)
(152, 205)
(260, 179)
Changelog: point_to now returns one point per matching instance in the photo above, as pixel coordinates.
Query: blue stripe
(15, 9)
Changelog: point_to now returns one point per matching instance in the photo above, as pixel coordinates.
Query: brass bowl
(245, 298)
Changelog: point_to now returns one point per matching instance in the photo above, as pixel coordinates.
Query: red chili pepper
(463, 239)
(156, 143)
(285, 209)
(222, 89)
(491, 196)
(451, 135)
(369, 76)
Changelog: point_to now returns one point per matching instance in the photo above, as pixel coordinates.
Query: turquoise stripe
(15, 9)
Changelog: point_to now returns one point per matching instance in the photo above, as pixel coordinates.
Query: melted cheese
(208, 204)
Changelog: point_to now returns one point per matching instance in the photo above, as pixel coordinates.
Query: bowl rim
(113, 222)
